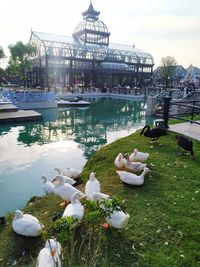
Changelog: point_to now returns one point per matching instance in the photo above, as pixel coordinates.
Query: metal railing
(194, 109)
(26, 96)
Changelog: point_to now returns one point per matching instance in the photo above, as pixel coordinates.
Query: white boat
(72, 102)
(5, 102)
(63, 108)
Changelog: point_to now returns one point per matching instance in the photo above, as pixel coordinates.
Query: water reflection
(64, 138)
(88, 127)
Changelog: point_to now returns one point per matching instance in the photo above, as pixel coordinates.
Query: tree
(2, 72)
(21, 58)
(168, 65)
(2, 55)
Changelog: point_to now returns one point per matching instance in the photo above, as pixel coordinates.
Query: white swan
(75, 209)
(133, 166)
(131, 178)
(119, 161)
(72, 172)
(69, 172)
(65, 190)
(47, 187)
(26, 224)
(92, 186)
(67, 179)
(98, 196)
(118, 219)
(138, 156)
(50, 255)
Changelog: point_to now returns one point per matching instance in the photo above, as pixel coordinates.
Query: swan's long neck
(92, 177)
(145, 129)
(141, 177)
(144, 172)
(135, 152)
(74, 198)
(18, 214)
(120, 156)
(60, 180)
(58, 170)
(44, 179)
(52, 245)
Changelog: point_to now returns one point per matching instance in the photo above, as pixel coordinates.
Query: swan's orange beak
(106, 225)
(65, 203)
(53, 253)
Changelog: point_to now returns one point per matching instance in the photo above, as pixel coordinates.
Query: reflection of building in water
(87, 58)
(87, 127)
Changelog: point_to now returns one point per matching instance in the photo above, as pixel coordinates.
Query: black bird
(153, 133)
(57, 215)
(3, 220)
(185, 143)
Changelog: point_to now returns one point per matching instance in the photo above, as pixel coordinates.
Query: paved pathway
(10, 113)
(189, 129)
(5, 107)
(20, 115)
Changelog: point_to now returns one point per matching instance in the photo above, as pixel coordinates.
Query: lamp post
(168, 80)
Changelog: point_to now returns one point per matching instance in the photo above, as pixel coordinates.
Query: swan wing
(75, 173)
(66, 191)
(74, 210)
(118, 219)
(27, 227)
(139, 156)
(99, 196)
(137, 166)
(45, 259)
(90, 188)
(130, 178)
(69, 180)
(30, 218)
(71, 172)
(133, 166)
(119, 162)
(48, 187)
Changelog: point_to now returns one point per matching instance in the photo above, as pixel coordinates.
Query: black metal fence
(191, 106)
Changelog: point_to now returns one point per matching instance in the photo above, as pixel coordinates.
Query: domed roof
(89, 24)
(92, 30)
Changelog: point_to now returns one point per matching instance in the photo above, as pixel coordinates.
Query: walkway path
(10, 113)
(189, 129)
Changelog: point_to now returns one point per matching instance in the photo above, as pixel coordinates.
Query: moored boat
(72, 102)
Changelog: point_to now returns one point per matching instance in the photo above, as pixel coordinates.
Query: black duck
(153, 133)
(185, 143)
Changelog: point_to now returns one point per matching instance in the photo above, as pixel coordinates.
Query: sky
(159, 27)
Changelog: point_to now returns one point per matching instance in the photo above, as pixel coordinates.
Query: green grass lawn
(163, 228)
(175, 121)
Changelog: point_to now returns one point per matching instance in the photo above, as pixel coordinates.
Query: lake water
(65, 138)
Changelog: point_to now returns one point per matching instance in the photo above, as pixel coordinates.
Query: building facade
(87, 58)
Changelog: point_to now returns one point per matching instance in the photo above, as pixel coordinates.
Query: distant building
(87, 58)
(180, 75)
(177, 76)
(192, 75)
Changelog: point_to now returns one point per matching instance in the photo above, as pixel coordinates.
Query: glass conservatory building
(87, 58)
